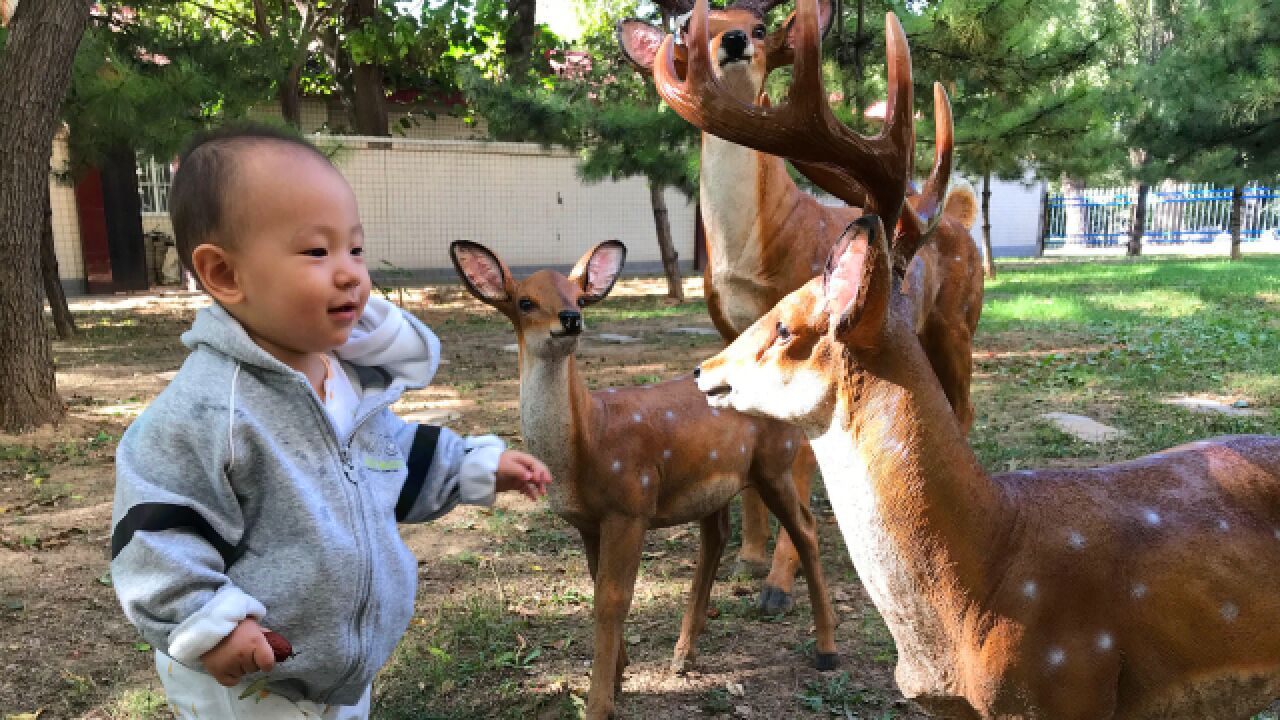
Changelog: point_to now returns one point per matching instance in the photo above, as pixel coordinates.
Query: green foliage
(1213, 92)
(608, 113)
(149, 85)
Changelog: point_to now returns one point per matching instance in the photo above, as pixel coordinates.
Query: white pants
(194, 695)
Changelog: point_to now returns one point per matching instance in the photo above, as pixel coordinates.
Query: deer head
(546, 307)
(744, 49)
(871, 172)
(783, 365)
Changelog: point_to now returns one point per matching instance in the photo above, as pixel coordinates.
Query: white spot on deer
(1104, 641)
(617, 466)
(1223, 525)
(666, 454)
(1138, 591)
(815, 267)
(742, 449)
(636, 417)
(714, 454)
(788, 445)
(715, 412)
(1230, 612)
(1029, 589)
(644, 481)
(1057, 656)
(1151, 517)
(670, 415)
(1277, 533)
(1076, 540)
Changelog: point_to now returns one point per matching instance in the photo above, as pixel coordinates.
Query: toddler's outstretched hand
(523, 472)
(244, 651)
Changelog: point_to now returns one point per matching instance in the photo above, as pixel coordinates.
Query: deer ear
(781, 43)
(482, 272)
(639, 41)
(598, 270)
(856, 282)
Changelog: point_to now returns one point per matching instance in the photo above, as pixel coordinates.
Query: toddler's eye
(782, 334)
(357, 251)
(316, 252)
(527, 305)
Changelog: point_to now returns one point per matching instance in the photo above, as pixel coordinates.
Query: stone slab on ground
(1082, 428)
(1210, 406)
(512, 348)
(693, 331)
(616, 338)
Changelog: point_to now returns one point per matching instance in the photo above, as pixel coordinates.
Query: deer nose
(734, 43)
(571, 321)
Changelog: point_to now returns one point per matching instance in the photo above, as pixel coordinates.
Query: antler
(674, 8)
(863, 171)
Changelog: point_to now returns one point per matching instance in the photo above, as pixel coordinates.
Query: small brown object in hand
(279, 645)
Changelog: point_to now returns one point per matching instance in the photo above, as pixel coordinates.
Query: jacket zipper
(348, 468)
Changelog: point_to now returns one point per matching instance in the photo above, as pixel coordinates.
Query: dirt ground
(66, 650)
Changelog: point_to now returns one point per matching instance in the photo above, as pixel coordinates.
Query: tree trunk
(63, 321)
(1138, 221)
(988, 260)
(519, 41)
(859, 73)
(370, 106)
(1237, 216)
(35, 70)
(291, 97)
(675, 286)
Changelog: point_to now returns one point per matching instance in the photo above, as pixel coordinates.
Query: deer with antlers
(767, 237)
(629, 459)
(1140, 590)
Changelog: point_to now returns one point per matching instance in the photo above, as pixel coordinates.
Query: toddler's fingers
(263, 656)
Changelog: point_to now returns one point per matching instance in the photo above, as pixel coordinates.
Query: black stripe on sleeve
(421, 454)
(157, 517)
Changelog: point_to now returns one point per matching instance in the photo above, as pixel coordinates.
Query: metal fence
(1177, 215)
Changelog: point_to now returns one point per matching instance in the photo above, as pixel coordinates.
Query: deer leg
(714, 537)
(591, 543)
(798, 521)
(755, 536)
(776, 594)
(621, 542)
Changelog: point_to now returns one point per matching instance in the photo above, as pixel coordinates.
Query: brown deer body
(630, 459)
(766, 237)
(1144, 589)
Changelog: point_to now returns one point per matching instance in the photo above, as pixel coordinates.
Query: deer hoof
(827, 661)
(681, 664)
(774, 601)
(750, 569)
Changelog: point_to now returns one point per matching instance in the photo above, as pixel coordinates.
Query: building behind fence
(1188, 218)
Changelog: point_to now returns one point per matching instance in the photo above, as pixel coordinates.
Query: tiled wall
(66, 225)
(416, 196)
(527, 204)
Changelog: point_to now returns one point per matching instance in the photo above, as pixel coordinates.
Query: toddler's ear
(482, 272)
(216, 271)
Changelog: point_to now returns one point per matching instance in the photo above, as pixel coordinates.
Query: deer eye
(527, 305)
(582, 301)
(782, 334)
(758, 32)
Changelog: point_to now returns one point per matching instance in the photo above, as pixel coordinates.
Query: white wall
(1015, 217)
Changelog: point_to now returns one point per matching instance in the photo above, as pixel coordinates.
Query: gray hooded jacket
(236, 498)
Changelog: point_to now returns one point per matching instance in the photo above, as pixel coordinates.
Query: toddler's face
(298, 251)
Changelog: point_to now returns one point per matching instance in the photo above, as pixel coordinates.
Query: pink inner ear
(641, 41)
(484, 273)
(603, 268)
(846, 278)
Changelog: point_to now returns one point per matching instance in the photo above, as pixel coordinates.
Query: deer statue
(1144, 589)
(767, 237)
(629, 459)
